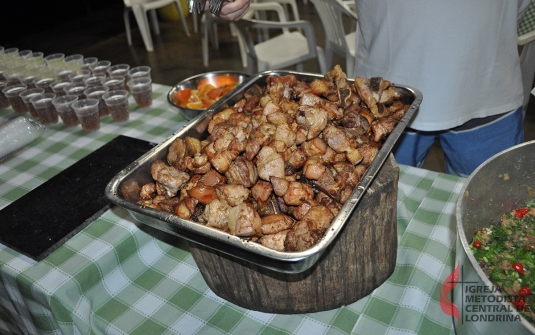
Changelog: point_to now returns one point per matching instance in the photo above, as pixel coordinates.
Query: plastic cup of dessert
(76, 89)
(141, 89)
(115, 83)
(95, 79)
(65, 111)
(35, 59)
(139, 71)
(44, 107)
(12, 95)
(88, 62)
(87, 112)
(29, 93)
(55, 60)
(117, 102)
(74, 62)
(96, 92)
(59, 87)
(4, 102)
(44, 82)
(118, 70)
(62, 74)
(100, 67)
(79, 77)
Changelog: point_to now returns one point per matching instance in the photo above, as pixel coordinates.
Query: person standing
(463, 57)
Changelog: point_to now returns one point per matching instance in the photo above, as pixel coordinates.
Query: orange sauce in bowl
(218, 81)
(208, 91)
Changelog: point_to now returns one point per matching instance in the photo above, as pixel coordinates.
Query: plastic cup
(24, 54)
(95, 80)
(117, 102)
(100, 67)
(11, 54)
(141, 88)
(59, 87)
(115, 83)
(13, 74)
(44, 107)
(44, 82)
(29, 93)
(136, 72)
(35, 59)
(4, 102)
(118, 70)
(12, 95)
(28, 81)
(139, 71)
(67, 114)
(96, 92)
(80, 76)
(88, 62)
(63, 74)
(31, 74)
(76, 89)
(74, 62)
(46, 72)
(87, 112)
(55, 60)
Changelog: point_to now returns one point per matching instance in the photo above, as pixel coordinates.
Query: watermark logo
(446, 304)
(479, 302)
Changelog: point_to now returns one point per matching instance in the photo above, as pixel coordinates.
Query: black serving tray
(44, 219)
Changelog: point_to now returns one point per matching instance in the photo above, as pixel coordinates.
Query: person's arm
(233, 10)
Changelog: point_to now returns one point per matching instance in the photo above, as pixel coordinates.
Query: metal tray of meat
(287, 262)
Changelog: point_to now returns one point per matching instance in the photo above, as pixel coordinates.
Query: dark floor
(176, 56)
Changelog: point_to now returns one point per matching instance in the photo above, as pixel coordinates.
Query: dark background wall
(25, 23)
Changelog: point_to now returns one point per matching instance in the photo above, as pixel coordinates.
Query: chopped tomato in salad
(203, 97)
(506, 253)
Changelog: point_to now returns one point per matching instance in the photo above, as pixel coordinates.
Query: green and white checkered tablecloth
(528, 20)
(115, 277)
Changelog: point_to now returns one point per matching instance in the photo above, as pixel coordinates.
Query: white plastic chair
(289, 48)
(331, 13)
(209, 36)
(261, 15)
(140, 9)
(210, 23)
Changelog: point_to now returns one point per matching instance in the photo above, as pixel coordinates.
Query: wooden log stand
(361, 258)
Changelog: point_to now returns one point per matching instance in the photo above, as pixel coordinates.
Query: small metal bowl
(216, 79)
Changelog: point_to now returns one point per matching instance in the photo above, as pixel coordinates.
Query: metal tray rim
(290, 262)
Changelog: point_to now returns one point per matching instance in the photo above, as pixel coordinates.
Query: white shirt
(461, 54)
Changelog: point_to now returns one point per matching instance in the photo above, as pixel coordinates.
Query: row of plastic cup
(85, 109)
(75, 81)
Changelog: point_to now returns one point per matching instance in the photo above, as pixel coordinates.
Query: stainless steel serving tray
(289, 262)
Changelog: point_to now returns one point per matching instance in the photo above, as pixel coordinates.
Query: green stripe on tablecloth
(424, 249)
(528, 21)
(118, 278)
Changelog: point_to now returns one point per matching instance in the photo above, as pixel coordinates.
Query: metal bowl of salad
(194, 95)
(493, 283)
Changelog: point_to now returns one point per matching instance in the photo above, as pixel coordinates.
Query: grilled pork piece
(309, 230)
(168, 177)
(279, 164)
(275, 223)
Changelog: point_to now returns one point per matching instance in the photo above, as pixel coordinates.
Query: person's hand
(235, 10)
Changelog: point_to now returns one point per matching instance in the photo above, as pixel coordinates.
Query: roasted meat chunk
(168, 177)
(277, 166)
